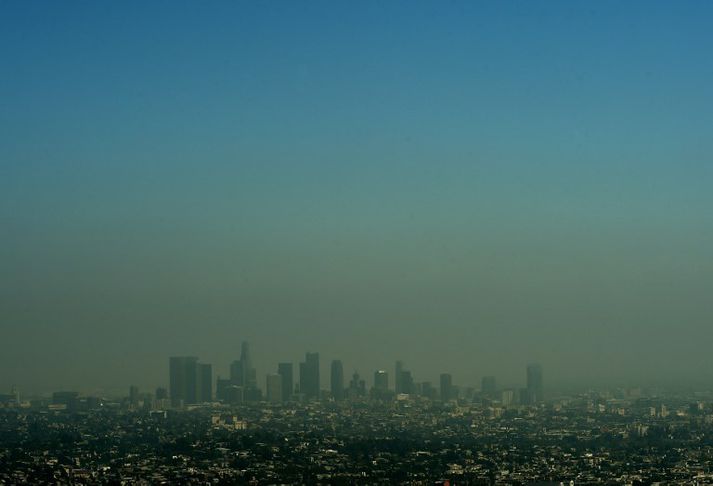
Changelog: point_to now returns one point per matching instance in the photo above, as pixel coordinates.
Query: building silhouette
(403, 380)
(286, 373)
(357, 387)
(446, 387)
(190, 381)
(535, 388)
(381, 390)
(337, 380)
(309, 376)
(407, 385)
(398, 386)
(236, 373)
(381, 380)
(183, 378)
(243, 376)
(249, 373)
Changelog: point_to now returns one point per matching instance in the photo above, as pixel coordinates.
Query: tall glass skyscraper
(183, 378)
(285, 371)
(535, 388)
(309, 376)
(337, 380)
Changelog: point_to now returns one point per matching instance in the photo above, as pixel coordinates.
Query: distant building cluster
(191, 383)
(291, 431)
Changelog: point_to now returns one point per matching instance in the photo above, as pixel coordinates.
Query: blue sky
(470, 181)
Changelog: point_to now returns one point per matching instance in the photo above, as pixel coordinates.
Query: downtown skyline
(188, 382)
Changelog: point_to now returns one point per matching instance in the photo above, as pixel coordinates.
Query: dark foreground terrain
(590, 438)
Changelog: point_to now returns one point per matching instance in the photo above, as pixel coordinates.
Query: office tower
(161, 393)
(236, 373)
(204, 384)
(337, 380)
(134, 395)
(407, 382)
(487, 387)
(245, 354)
(535, 389)
(357, 387)
(183, 377)
(243, 375)
(446, 387)
(403, 381)
(285, 371)
(249, 373)
(309, 376)
(380, 390)
(398, 387)
(221, 386)
(381, 380)
(274, 388)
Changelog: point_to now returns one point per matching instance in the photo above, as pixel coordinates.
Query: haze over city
(468, 190)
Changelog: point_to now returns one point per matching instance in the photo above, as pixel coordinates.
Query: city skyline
(234, 372)
(279, 385)
(397, 242)
(474, 379)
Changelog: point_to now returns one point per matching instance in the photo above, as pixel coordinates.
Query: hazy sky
(466, 186)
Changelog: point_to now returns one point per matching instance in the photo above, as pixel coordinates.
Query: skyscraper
(236, 373)
(381, 380)
(446, 387)
(274, 388)
(381, 391)
(535, 388)
(190, 381)
(204, 383)
(309, 376)
(221, 386)
(397, 377)
(285, 371)
(407, 385)
(183, 375)
(337, 380)
(249, 373)
(357, 387)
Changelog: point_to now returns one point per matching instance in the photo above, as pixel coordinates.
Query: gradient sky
(466, 186)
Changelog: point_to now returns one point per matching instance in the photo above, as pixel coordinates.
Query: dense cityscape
(369, 242)
(230, 430)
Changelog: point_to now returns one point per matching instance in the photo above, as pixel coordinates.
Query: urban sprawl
(225, 432)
